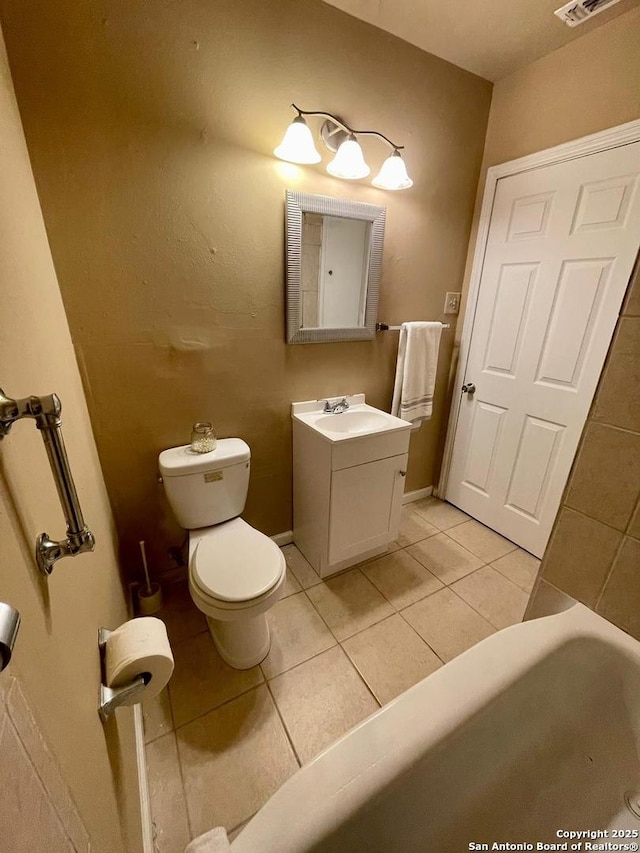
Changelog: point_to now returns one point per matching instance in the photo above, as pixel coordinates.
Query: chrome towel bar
(384, 327)
(46, 413)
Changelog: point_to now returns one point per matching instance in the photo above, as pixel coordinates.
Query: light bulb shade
(297, 144)
(393, 174)
(349, 161)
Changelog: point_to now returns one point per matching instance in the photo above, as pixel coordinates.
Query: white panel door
(344, 270)
(561, 247)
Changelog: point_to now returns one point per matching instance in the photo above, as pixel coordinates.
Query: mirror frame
(297, 204)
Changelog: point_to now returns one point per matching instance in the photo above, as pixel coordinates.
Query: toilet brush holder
(149, 594)
(149, 599)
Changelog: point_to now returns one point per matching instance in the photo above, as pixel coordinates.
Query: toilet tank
(206, 488)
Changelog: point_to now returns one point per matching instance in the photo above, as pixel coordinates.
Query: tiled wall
(594, 552)
(311, 242)
(36, 809)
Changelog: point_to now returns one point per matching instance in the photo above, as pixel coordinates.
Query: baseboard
(143, 782)
(285, 538)
(173, 575)
(410, 497)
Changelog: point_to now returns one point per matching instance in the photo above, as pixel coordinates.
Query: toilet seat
(234, 564)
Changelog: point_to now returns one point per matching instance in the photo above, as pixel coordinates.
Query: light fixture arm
(346, 127)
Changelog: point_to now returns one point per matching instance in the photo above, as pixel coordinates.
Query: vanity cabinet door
(365, 507)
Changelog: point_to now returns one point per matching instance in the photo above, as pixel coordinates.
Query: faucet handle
(336, 407)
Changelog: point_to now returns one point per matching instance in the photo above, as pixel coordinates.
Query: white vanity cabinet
(348, 482)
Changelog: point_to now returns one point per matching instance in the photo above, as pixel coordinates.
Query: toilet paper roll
(137, 647)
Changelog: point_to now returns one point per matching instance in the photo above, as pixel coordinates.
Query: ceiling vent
(576, 13)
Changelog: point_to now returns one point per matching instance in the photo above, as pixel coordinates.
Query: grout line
(421, 598)
(173, 722)
(616, 427)
(361, 676)
(221, 705)
(632, 516)
(564, 592)
(471, 571)
(182, 640)
(284, 725)
(449, 586)
(481, 615)
(350, 662)
(182, 785)
(590, 517)
(600, 595)
(451, 526)
(242, 823)
(486, 618)
(507, 578)
(324, 621)
(300, 663)
(360, 630)
(499, 573)
(162, 734)
(402, 616)
(468, 603)
(593, 420)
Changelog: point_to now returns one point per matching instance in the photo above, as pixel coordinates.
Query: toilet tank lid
(178, 461)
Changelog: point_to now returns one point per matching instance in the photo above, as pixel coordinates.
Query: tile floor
(221, 741)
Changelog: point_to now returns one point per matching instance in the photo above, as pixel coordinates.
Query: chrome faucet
(336, 408)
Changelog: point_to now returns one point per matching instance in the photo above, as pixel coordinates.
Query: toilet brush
(149, 596)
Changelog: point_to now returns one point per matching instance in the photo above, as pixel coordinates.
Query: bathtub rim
(334, 784)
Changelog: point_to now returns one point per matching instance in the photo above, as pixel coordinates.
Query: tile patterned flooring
(221, 741)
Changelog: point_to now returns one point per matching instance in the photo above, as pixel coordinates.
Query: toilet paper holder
(110, 698)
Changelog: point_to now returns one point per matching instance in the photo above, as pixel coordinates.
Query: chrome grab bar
(9, 625)
(46, 413)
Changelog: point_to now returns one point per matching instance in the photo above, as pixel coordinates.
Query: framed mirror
(334, 258)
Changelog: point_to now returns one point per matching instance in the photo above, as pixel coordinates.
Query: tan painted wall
(590, 84)
(56, 659)
(151, 129)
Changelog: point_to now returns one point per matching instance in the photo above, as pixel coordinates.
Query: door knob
(469, 388)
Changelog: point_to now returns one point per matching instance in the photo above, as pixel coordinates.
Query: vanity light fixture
(297, 144)
(297, 147)
(393, 174)
(349, 161)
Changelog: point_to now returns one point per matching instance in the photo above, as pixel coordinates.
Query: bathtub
(531, 735)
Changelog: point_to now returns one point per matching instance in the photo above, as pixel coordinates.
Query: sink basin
(358, 421)
(355, 422)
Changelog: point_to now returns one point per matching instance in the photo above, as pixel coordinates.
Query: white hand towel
(214, 841)
(416, 371)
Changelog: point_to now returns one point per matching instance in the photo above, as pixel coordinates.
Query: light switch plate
(451, 303)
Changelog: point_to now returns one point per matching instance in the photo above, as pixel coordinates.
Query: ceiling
(491, 38)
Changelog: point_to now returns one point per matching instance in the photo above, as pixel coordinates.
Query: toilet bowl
(236, 573)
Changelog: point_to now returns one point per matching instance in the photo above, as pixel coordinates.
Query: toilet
(236, 573)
